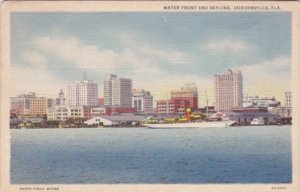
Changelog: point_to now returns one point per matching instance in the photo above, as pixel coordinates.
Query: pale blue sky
(159, 51)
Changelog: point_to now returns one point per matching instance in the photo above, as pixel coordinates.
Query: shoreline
(140, 127)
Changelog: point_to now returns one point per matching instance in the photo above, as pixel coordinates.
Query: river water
(260, 154)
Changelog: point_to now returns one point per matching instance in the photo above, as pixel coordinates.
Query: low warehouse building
(245, 118)
(115, 120)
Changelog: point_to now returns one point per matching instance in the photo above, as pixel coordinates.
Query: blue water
(141, 155)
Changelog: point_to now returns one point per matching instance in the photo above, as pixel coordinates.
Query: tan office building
(38, 106)
(229, 90)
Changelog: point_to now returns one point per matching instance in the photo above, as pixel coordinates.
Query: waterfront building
(76, 112)
(285, 112)
(116, 120)
(244, 116)
(288, 99)
(62, 113)
(187, 96)
(57, 113)
(83, 93)
(14, 122)
(250, 109)
(256, 101)
(250, 101)
(229, 90)
(32, 122)
(61, 100)
(97, 111)
(117, 92)
(118, 110)
(165, 106)
(142, 101)
(39, 106)
(20, 105)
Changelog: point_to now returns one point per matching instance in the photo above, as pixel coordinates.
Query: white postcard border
(157, 6)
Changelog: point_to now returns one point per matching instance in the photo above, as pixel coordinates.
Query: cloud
(279, 63)
(34, 59)
(26, 79)
(85, 56)
(272, 68)
(141, 63)
(150, 68)
(77, 54)
(268, 78)
(32, 75)
(172, 58)
(228, 46)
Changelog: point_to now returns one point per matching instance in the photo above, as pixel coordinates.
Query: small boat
(257, 121)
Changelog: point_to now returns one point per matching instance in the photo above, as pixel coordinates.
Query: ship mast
(206, 104)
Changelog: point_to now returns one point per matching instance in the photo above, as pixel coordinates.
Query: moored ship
(187, 122)
(203, 124)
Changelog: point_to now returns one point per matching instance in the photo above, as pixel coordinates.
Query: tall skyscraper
(83, 93)
(229, 90)
(142, 101)
(117, 92)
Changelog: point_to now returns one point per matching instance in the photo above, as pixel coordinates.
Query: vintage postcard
(150, 96)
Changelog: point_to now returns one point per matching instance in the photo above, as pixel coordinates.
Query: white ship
(219, 120)
(258, 121)
(203, 124)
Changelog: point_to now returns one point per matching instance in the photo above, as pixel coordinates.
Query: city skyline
(184, 91)
(152, 49)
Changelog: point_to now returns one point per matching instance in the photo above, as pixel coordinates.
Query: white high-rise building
(229, 90)
(117, 91)
(142, 101)
(83, 93)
